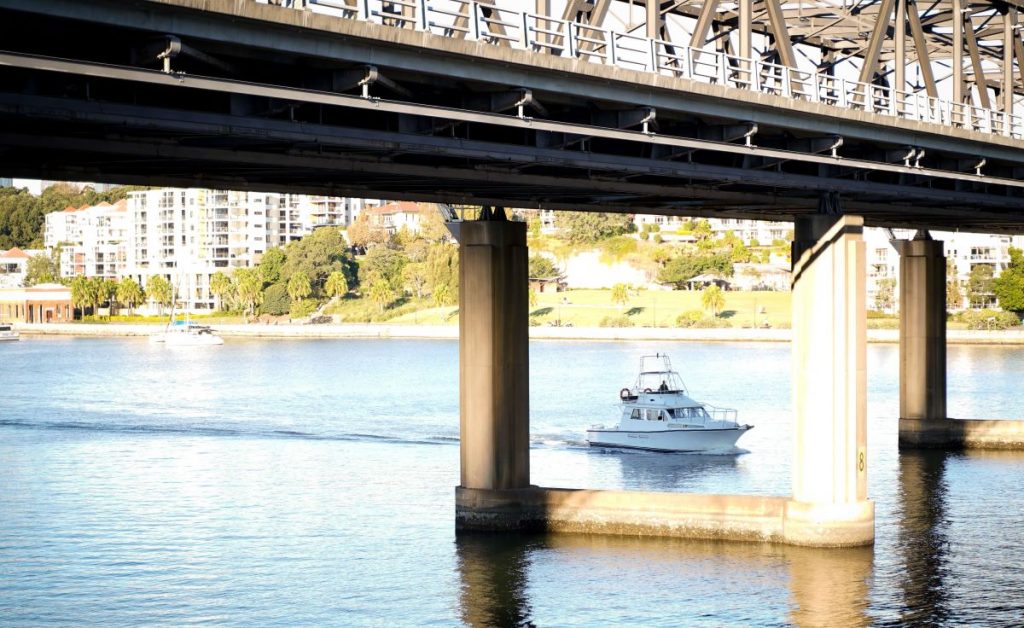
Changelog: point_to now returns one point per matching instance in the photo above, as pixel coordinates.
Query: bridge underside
(254, 103)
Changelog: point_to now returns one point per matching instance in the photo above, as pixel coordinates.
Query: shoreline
(451, 332)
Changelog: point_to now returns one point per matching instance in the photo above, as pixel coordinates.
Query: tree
(380, 292)
(108, 292)
(318, 255)
(885, 295)
(129, 293)
(713, 299)
(275, 300)
(384, 263)
(81, 293)
(592, 227)
(270, 265)
(222, 285)
(443, 273)
(362, 234)
(1009, 286)
(337, 284)
(414, 278)
(620, 294)
(249, 287)
(22, 214)
(541, 267)
(979, 285)
(42, 268)
(685, 267)
(701, 229)
(954, 294)
(159, 290)
(298, 287)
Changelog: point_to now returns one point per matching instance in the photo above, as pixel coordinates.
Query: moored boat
(8, 332)
(187, 334)
(659, 415)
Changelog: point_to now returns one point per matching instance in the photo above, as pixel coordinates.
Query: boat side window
(636, 414)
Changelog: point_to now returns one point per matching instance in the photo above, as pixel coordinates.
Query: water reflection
(510, 580)
(676, 472)
(493, 570)
(921, 536)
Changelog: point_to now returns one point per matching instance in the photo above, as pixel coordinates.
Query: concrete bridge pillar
(829, 504)
(922, 334)
(493, 349)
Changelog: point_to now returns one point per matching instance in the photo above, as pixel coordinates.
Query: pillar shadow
(921, 537)
(825, 587)
(493, 573)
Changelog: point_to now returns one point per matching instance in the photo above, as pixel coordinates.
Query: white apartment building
(93, 240)
(187, 235)
(292, 216)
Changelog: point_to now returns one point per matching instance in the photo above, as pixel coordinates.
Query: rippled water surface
(312, 482)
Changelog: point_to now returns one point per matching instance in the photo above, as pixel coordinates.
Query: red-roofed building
(13, 266)
(392, 217)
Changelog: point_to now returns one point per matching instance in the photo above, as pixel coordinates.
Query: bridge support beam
(829, 506)
(493, 355)
(922, 335)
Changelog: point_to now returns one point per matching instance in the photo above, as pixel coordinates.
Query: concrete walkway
(359, 330)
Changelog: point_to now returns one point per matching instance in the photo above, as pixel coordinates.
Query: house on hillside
(392, 217)
(13, 266)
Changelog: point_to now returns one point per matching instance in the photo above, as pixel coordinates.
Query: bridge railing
(485, 22)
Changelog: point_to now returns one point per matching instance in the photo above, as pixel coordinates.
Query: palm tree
(620, 294)
(250, 289)
(159, 290)
(129, 293)
(80, 297)
(337, 284)
(298, 287)
(221, 285)
(713, 299)
(380, 292)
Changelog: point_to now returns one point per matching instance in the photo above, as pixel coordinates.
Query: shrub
(276, 301)
(615, 321)
(697, 320)
(987, 319)
(302, 308)
(689, 319)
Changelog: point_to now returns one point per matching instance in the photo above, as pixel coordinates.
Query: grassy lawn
(659, 308)
(586, 308)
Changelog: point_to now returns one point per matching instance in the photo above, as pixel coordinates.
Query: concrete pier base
(630, 513)
(961, 434)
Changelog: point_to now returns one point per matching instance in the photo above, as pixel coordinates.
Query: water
(311, 483)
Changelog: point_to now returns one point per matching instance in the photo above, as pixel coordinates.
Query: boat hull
(691, 440)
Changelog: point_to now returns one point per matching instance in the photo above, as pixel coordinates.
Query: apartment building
(292, 216)
(187, 235)
(93, 240)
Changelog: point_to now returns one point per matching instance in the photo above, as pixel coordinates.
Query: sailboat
(185, 333)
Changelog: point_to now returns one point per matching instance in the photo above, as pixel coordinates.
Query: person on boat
(663, 387)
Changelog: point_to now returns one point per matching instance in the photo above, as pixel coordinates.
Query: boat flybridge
(659, 415)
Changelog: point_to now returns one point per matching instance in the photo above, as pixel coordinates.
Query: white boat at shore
(186, 334)
(8, 332)
(659, 415)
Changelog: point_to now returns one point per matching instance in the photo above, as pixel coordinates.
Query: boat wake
(191, 429)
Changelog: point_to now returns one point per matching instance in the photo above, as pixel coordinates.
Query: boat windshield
(656, 375)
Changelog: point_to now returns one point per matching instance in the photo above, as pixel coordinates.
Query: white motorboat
(186, 334)
(659, 415)
(8, 332)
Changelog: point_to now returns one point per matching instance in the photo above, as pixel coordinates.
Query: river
(311, 482)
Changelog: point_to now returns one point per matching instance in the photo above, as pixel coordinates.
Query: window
(636, 414)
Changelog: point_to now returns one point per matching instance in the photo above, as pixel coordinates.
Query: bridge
(831, 114)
